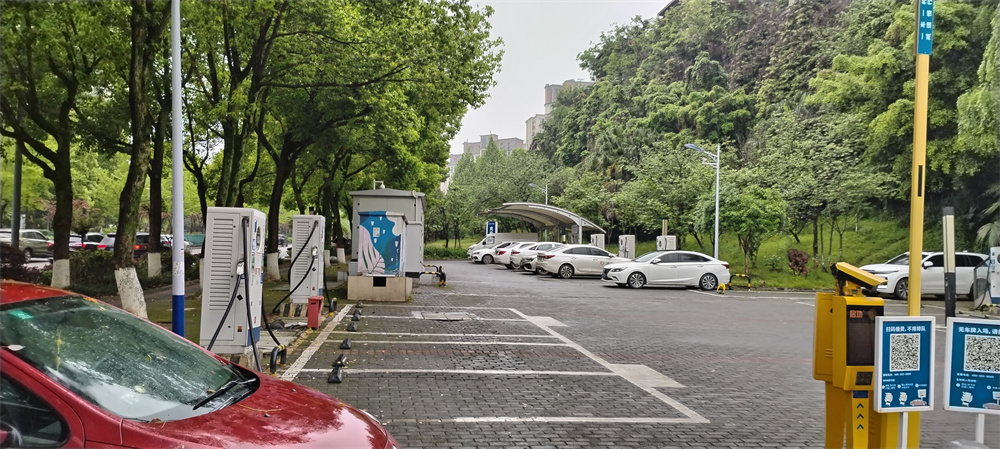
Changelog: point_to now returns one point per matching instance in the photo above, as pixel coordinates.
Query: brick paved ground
(573, 363)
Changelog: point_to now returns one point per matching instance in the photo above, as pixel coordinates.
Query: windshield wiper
(224, 388)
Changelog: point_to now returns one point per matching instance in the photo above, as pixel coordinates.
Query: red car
(76, 372)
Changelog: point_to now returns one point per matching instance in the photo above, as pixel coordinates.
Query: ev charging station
(233, 280)
(626, 246)
(666, 242)
(844, 359)
(597, 240)
(305, 277)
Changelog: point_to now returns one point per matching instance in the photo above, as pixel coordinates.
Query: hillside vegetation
(810, 105)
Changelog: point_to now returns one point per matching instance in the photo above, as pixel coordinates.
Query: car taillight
(503, 251)
(514, 252)
(102, 246)
(548, 256)
(50, 244)
(726, 265)
(136, 246)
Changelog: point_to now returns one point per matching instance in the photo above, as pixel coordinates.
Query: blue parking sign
(972, 373)
(904, 364)
(491, 227)
(925, 27)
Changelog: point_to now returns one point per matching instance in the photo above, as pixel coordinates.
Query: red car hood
(278, 414)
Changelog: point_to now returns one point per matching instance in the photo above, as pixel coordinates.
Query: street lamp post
(546, 190)
(376, 182)
(714, 157)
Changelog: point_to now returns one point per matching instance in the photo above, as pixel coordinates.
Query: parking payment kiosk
(844, 359)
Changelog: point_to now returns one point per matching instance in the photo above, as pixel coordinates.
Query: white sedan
(686, 268)
(503, 255)
(897, 273)
(571, 260)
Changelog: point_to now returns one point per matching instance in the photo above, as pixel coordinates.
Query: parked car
(517, 257)
(896, 272)
(33, 243)
(81, 373)
(686, 268)
(503, 255)
(571, 260)
(75, 244)
(107, 243)
(492, 256)
(92, 240)
(480, 255)
(141, 245)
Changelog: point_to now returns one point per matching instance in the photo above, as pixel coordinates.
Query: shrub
(434, 253)
(13, 266)
(798, 261)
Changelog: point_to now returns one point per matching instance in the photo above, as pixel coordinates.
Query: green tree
(751, 212)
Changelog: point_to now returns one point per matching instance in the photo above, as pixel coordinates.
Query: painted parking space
(482, 365)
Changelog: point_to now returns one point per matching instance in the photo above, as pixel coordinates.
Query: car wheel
(27, 254)
(636, 280)
(708, 281)
(902, 289)
(487, 259)
(566, 271)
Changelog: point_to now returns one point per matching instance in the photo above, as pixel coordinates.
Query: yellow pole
(918, 183)
(923, 32)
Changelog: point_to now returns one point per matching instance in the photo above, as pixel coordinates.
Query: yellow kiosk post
(844, 359)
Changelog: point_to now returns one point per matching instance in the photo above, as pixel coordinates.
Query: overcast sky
(541, 39)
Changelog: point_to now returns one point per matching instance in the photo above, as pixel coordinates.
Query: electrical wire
(311, 231)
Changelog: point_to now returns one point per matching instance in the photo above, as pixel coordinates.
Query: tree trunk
(156, 193)
(282, 168)
(63, 219)
(146, 26)
(816, 235)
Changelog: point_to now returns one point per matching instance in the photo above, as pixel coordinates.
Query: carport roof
(543, 215)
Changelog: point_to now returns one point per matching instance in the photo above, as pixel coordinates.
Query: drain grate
(444, 316)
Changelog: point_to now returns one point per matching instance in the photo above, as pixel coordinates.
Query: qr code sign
(982, 353)
(904, 352)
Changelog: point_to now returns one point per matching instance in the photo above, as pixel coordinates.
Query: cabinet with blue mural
(380, 239)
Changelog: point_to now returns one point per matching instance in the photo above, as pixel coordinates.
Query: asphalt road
(530, 361)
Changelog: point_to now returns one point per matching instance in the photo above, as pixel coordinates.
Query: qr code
(904, 352)
(982, 353)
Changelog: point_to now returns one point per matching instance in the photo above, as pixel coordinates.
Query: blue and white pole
(177, 145)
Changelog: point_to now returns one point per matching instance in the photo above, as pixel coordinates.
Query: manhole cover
(445, 316)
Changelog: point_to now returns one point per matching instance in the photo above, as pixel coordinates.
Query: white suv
(896, 271)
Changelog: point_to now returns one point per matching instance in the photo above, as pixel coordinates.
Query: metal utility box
(380, 238)
(597, 240)
(234, 242)
(307, 270)
(666, 243)
(626, 246)
(411, 205)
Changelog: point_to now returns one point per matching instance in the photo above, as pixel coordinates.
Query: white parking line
(314, 346)
(394, 317)
(411, 334)
(491, 372)
(641, 376)
(430, 342)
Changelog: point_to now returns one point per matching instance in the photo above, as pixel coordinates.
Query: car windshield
(648, 256)
(902, 259)
(118, 362)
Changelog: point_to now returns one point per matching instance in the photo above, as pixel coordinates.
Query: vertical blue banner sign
(925, 26)
(491, 227)
(904, 364)
(972, 370)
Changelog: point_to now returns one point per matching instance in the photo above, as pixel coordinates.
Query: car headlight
(616, 270)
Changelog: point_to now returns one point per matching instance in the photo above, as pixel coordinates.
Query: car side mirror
(928, 264)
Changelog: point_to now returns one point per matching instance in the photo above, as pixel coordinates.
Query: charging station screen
(861, 334)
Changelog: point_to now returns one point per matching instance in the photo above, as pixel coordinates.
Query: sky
(541, 40)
